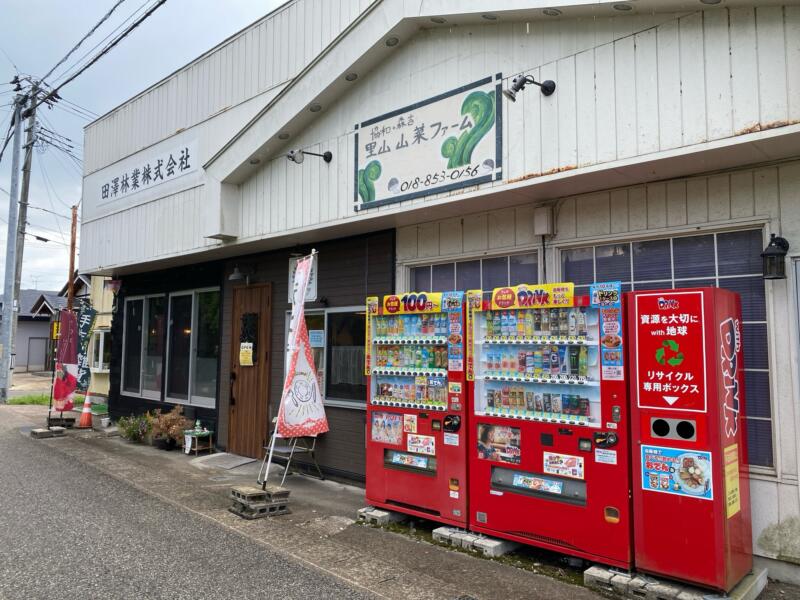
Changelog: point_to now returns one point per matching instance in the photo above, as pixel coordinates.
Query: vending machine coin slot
(564, 431)
(605, 439)
(452, 423)
(616, 414)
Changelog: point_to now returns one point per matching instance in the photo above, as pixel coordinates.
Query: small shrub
(170, 426)
(136, 427)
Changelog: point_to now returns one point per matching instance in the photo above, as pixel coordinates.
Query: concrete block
(663, 590)
(41, 433)
(751, 586)
(468, 541)
(376, 516)
(444, 534)
(620, 582)
(598, 577)
(493, 547)
(692, 594)
(58, 431)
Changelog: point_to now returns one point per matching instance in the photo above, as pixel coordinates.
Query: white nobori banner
(301, 412)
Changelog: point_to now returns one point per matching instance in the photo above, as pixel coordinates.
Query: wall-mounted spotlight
(238, 275)
(520, 81)
(774, 258)
(298, 156)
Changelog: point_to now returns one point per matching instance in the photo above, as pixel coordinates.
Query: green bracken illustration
(480, 106)
(366, 177)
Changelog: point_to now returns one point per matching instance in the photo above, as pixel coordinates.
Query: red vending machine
(548, 449)
(691, 501)
(416, 413)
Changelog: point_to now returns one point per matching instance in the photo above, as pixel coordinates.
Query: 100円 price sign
(440, 144)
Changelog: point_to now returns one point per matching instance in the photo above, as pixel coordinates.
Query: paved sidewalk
(23, 384)
(320, 533)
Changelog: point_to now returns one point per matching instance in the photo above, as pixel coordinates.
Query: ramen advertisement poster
(608, 298)
(677, 471)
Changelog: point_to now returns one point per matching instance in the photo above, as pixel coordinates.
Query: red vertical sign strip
(670, 351)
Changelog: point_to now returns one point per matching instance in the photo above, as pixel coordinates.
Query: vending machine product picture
(548, 426)
(691, 497)
(416, 411)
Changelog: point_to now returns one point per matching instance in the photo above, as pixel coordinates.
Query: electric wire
(83, 39)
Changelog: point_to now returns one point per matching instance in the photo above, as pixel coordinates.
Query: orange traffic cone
(86, 415)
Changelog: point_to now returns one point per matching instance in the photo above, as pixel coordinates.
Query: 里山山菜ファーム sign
(442, 143)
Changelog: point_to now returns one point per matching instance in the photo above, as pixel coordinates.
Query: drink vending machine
(416, 413)
(548, 448)
(691, 498)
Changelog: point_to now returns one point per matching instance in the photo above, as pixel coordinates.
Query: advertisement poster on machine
(607, 297)
(677, 471)
(670, 358)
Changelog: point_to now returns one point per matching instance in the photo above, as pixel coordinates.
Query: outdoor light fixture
(315, 107)
(551, 12)
(255, 160)
(774, 258)
(712, 2)
(351, 76)
(283, 136)
(438, 20)
(298, 156)
(520, 81)
(623, 7)
(237, 275)
(489, 17)
(392, 41)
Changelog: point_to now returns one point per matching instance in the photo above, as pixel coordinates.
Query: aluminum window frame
(125, 333)
(99, 336)
(771, 472)
(326, 401)
(407, 266)
(191, 399)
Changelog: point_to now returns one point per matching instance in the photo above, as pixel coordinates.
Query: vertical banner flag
(86, 320)
(66, 377)
(301, 412)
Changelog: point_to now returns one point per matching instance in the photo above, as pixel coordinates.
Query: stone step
(380, 517)
(483, 544)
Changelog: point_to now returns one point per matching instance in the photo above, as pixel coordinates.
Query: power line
(100, 43)
(54, 93)
(83, 39)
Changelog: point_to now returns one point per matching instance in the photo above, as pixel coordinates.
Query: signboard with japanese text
(443, 143)
(167, 168)
(677, 471)
(543, 295)
(311, 289)
(607, 297)
(413, 302)
(86, 320)
(670, 357)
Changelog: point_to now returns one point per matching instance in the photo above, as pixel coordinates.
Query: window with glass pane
(101, 350)
(180, 337)
(729, 260)
(495, 272)
(154, 338)
(523, 268)
(421, 279)
(206, 345)
(345, 360)
(315, 322)
(468, 275)
(443, 278)
(132, 350)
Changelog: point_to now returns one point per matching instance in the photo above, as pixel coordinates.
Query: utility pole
(23, 203)
(73, 234)
(11, 247)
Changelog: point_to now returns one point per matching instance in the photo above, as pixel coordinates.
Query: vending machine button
(436, 425)
(585, 445)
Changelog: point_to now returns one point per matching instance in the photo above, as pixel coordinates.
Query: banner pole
(269, 460)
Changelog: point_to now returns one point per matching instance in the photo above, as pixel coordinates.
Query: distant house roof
(78, 281)
(48, 304)
(30, 306)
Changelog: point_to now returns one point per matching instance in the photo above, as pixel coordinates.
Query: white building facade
(667, 155)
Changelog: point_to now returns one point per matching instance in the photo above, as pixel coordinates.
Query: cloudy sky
(35, 35)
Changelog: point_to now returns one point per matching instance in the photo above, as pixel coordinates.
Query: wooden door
(249, 400)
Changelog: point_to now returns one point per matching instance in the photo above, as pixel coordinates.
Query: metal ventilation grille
(545, 539)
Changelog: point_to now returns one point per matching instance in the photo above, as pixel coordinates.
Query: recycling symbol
(673, 358)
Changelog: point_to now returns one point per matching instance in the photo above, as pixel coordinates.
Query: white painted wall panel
(254, 61)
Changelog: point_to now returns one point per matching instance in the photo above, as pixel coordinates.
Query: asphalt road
(69, 531)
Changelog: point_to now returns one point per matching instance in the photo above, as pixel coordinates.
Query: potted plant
(135, 428)
(168, 428)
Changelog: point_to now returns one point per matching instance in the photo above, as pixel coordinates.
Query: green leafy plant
(38, 399)
(136, 427)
